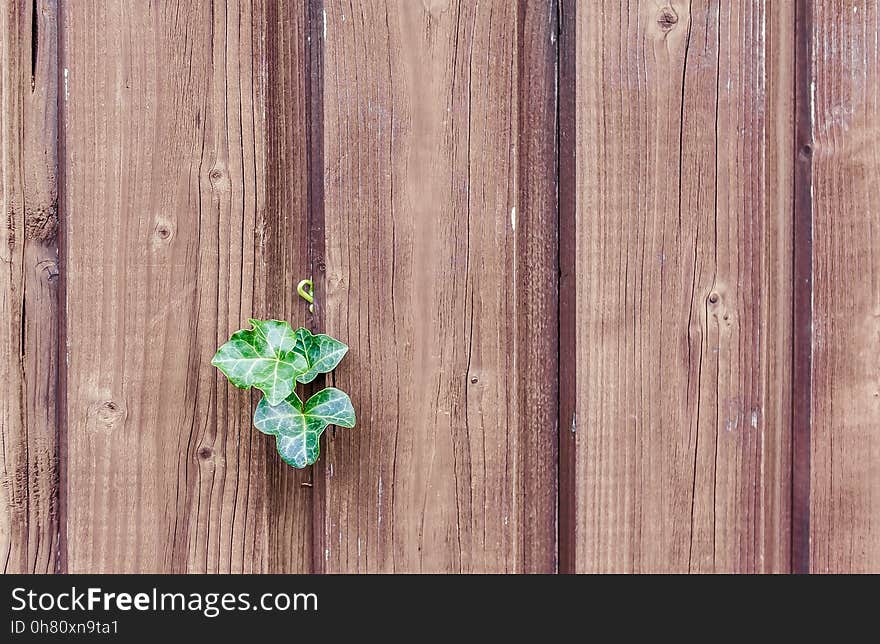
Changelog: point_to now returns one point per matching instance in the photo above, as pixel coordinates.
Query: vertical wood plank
(567, 232)
(284, 233)
(29, 530)
(432, 216)
(802, 295)
(684, 129)
(178, 221)
(536, 296)
(316, 250)
(845, 455)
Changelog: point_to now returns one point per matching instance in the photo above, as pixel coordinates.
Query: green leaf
(322, 352)
(297, 427)
(265, 358)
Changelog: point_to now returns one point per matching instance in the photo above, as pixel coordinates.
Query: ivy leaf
(321, 351)
(298, 426)
(265, 358)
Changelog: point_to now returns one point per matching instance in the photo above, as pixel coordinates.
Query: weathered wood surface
(670, 366)
(845, 113)
(683, 282)
(29, 528)
(441, 275)
(184, 197)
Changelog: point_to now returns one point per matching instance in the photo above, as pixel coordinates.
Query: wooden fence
(610, 274)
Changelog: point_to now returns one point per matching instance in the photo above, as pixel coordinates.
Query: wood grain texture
(567, 173)
(29, 529)
(285, 245)
(845, 459)
(684, 130)
(536, 295)
(657, 236)
(440, 253)
(802, 294)
(182, 191)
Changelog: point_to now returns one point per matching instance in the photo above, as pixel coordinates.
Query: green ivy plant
(273, 358)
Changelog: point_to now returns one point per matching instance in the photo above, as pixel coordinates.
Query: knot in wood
(205, 453)
(667, 18)
(41, 223)
(109, 414)
(219, 180)
(49, 268)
